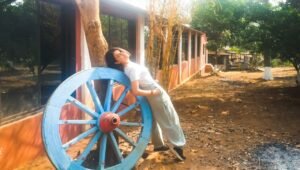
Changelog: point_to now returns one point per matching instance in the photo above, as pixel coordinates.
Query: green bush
(279, 63)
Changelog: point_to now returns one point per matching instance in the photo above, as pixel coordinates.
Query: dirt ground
(233, 120)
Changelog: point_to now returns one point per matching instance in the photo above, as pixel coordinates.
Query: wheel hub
(109, 121)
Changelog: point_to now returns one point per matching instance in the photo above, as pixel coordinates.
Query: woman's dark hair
(111, 61)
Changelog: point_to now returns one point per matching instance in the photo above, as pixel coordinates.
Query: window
(36, 54)
(119, 32)
(193, 45)
(199, 46)
(184, 46)
(175, 44)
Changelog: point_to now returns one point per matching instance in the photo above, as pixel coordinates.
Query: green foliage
(253, 25)
(26, 34)
(17, 32)
(220, 20)
(288, 32)
(277, 62)
(257, 35)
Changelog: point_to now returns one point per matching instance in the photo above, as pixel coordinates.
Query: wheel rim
(58, 151)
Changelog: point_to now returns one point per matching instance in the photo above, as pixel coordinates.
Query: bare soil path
(234, 120)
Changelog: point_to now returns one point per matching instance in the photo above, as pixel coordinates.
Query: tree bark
(296, 65)
(90, 16)
(97, 46)
(267, 59)
(268, 66)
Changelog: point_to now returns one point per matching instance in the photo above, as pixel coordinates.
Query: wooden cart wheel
(125, 128)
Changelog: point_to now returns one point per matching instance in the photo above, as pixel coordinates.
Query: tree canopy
(218, 19)
(253, 25)
(288, 32)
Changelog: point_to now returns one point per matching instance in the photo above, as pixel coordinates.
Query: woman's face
(121, 56)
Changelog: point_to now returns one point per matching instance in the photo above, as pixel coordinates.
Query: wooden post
(189, 52)
(140, 47)
(195, 53)
(179, 56)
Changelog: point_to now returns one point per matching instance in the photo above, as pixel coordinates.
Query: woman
(142, 84)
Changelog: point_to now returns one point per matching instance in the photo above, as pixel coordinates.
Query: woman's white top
(138, 72)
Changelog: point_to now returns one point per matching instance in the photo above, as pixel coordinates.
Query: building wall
(174, 77)
(21, 141)
(193, 66)
(185, 71)
(203, 53)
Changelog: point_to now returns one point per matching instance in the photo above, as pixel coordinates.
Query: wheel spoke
(79, 137)
(127, 109)
(79, 122)
(102, 151)
(131, 123)
(95, 97)
(89, 147)
(108, 95)
(82, 107)
(121, 98)
(116, 147)
(125, 137)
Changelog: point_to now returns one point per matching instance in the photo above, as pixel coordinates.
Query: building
(42, 43)
(229, 60)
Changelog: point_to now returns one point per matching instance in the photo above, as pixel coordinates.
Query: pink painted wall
(198, 63)
(193, 66)
(173, 77)
(68, 132)
(118, 90)
(20, 142)
(184, 71)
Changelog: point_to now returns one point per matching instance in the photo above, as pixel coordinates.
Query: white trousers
(165, 119)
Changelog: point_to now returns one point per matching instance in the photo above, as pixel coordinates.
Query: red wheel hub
(109, 121)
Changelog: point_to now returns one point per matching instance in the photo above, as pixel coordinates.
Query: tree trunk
(298, 79)
(268, 68)
(267, 59)
(296, 65)
(90, 16)
(97, 46)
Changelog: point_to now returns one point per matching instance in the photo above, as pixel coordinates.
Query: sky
(276, 2)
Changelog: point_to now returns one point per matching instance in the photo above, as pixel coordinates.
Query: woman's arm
(140, 92)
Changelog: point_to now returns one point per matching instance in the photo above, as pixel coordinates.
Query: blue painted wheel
(127, 141)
